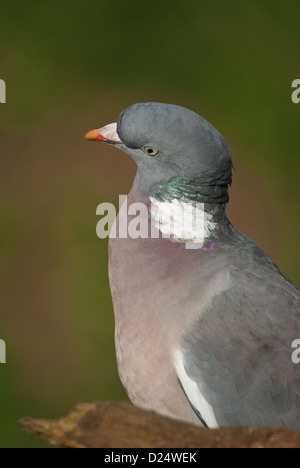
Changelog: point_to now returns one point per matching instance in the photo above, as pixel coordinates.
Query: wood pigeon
(204, 319)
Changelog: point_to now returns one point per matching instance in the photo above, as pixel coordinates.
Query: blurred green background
(73, 66)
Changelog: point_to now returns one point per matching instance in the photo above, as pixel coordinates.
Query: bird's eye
(150, 151)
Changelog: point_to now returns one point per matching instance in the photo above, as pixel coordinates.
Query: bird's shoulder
(237, 353)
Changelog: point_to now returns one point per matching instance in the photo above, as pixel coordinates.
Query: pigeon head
(179, 154)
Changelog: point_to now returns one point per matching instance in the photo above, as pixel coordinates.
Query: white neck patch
(182, 221)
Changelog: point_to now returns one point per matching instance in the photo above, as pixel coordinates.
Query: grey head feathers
(191, 153)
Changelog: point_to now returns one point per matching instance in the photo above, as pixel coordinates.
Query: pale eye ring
(150, 151)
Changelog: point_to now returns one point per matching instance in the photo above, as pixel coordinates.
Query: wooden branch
(120, 425)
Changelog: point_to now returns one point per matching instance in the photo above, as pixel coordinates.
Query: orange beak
(108, 134)
(93, 135)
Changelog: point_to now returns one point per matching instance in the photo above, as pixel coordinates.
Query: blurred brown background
(73, 66)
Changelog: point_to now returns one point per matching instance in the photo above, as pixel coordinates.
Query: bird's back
(239, 352)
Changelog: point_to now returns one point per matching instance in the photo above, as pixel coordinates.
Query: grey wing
(236, 363)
